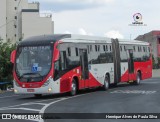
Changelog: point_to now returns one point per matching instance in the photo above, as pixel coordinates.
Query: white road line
(35, 103)
(46, 106)
(28, 109)
(151, 82)
(9, 96)
(25, 103)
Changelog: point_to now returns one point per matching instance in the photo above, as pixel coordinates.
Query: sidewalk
(156, 73)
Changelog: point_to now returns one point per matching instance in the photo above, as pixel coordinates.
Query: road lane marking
(29, 109)
(35, 103)
(9, 96)
(29, 103)
(46, 106)
(150, 82)
(133, 92)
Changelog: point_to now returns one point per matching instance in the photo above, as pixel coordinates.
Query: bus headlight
(15, 90)
(49, 89)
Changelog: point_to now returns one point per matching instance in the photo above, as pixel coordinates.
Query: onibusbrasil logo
(137, 17)
(138, 20)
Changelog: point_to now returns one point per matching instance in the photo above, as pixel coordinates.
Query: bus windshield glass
(33, 62)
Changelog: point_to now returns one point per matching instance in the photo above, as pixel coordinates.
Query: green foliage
(5, 64)
(153, 61)
(158, 59)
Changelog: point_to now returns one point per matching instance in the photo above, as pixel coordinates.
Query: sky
(109, 18)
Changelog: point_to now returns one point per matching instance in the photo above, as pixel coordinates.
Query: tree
(153, 62)
(158, 59)
(5, 65)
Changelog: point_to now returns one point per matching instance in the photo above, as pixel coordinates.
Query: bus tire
(73, 88)
(106, 83)
(38, 95)
(138, 79)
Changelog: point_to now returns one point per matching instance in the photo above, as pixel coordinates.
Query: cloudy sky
(109, 18)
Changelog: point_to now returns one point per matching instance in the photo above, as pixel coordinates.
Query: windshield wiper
(22, 76)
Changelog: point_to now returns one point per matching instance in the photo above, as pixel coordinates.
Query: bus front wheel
(73, 88)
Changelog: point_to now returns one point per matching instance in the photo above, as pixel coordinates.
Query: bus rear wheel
(73, 88)
(138, 79)
(106, 83)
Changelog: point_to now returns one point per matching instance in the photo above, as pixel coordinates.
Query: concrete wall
(11, 20)
(3, 20)
(33, 5)
(33, 24)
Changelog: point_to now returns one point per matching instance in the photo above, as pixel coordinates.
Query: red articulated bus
(62, 63)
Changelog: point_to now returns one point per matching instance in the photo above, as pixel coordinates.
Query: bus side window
(63, 60)
(60, 65)
(56, 69)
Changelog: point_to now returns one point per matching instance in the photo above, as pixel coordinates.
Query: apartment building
(20, 19)
(153, 38)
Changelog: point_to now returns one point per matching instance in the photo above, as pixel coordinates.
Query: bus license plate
(30, 90)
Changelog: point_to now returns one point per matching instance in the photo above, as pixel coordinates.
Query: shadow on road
(55, 96)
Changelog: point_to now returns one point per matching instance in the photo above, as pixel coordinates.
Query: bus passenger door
(84, 67)
(130, 65)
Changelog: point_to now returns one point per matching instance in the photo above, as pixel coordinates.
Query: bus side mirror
(12, 57)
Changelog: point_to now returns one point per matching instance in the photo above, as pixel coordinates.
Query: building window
(15, 8)
(15, 17)
(15, 26)
(15, 35)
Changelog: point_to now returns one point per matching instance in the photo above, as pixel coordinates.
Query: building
(20, 19)
(153, 38)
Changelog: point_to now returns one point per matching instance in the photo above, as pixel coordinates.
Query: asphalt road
(144, 98)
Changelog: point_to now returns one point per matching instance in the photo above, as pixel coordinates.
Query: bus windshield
(33, 62)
